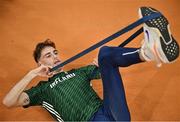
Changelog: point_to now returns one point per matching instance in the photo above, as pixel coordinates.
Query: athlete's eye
(48, 56)
(56, 52)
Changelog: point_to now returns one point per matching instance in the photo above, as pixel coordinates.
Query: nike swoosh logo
(147, 33)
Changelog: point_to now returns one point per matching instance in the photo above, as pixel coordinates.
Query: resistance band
(113, 36)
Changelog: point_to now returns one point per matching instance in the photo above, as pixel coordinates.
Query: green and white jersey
(68, 95)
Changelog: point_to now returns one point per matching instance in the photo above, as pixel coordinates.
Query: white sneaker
(159, 45)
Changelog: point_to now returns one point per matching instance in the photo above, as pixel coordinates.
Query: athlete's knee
(104, 54)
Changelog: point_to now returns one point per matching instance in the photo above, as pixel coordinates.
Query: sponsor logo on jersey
(62, 79)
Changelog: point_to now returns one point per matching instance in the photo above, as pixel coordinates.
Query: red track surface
(152, 93)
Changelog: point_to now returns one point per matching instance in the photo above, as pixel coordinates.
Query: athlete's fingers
(50, 74)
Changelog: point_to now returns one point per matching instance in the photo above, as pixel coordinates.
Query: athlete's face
(49, 57)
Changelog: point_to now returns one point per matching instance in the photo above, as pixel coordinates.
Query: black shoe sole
(168, 44)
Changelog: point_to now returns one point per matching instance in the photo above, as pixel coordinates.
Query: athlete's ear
(39, 63)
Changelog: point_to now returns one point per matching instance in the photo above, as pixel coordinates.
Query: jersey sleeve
(34, 94)
(92, 72)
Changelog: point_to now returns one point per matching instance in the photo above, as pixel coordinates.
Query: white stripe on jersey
(49, 108)
(47, 104)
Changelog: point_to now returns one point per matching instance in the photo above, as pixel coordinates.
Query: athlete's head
(45, 53)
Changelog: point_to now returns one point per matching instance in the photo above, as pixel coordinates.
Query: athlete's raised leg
(110, 59)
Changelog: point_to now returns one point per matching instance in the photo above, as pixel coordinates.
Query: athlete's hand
(42, 71)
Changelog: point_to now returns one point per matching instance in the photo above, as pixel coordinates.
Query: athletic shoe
(159, 44)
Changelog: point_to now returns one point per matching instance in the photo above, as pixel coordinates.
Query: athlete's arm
(16, 96)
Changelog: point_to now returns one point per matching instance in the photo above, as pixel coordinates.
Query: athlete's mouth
(57, 63)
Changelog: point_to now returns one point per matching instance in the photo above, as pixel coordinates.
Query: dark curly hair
(40, 46)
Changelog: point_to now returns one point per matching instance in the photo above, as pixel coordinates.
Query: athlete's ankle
(141, 56)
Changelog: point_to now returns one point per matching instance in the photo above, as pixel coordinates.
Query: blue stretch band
(113, 36)
(137, 33)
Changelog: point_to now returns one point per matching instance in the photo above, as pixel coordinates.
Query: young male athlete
(69, 96)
